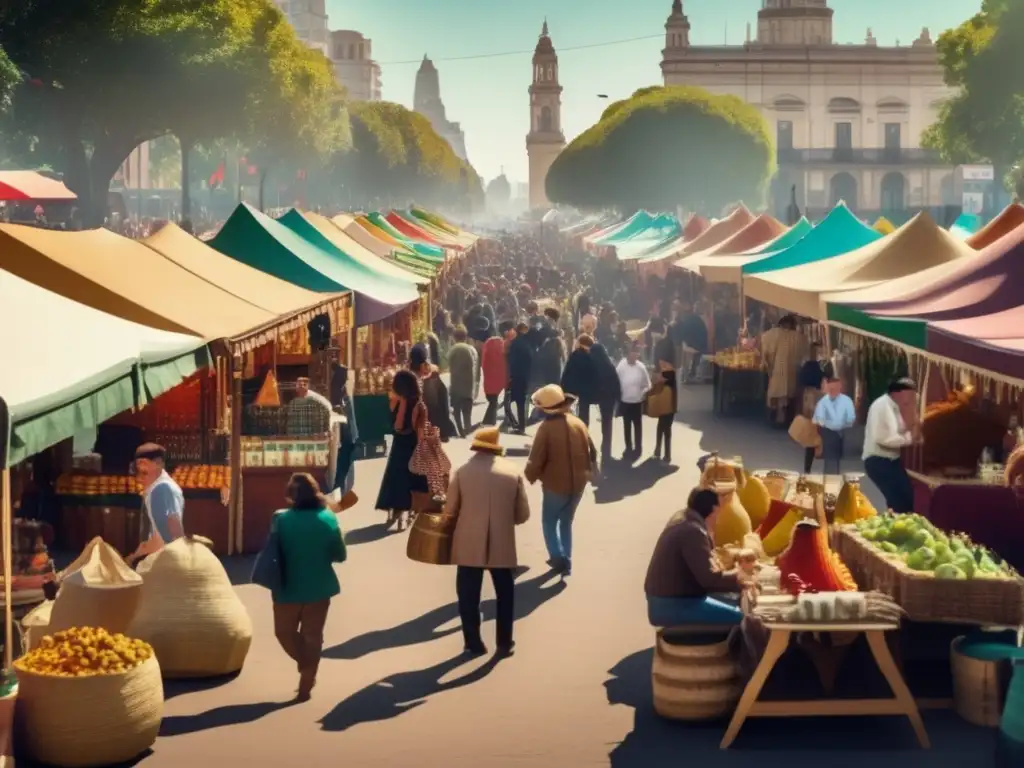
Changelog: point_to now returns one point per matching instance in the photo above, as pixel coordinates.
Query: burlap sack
(190, 613)
(99, 589)
(36, 624)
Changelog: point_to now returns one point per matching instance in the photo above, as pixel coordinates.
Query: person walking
(608, 393)
(310, 542)
(885, 434)
(463, 365)
(562, 458)
(409, 416)
(580, 378)
(487, 499)
(833, 415)
(495, 376)
(665, 363)
(634, 384)
(520, 364)
(434, 392)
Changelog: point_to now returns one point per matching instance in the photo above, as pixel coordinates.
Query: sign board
(977, 173)
(974, 202)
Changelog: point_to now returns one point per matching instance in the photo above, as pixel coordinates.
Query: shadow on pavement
(622, 479)
(530, 595)
(398, 693)
(839, 742)
(221, 717)
(367, 534)
(180, 687)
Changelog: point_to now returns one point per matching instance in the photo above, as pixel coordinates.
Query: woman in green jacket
(310, 542)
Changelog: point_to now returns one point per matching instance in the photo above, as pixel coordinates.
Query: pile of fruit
(923, 547)
(84, 651)
(96, 485)
(738, 359)
(202, 477)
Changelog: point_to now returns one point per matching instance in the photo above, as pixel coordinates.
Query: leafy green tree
(666, 147)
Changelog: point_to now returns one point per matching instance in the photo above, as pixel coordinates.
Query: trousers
(468, 585)
(557, 515)
(680, 611)
(462, 411)
(632, 424)
(299, 628)
(893, 481)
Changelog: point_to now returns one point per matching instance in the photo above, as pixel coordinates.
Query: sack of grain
(99, 589)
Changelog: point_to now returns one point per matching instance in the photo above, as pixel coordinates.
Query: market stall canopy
(357, 251)
(458, 240)
(966, 224)
(377, 242)
(266, 291)
(720, 231)
(993, 342)
(638, 222)
(68, 367)
(696, 225)
(1011, 217)
(438, 221)
(259, 241)
(761, 230)
(114, 274)
(917, 245)
(839, 232)
(410, 230)
(20, 186)
(729, 269)
(427, 250)
(662, 231)
(787, 239)
(883, 226)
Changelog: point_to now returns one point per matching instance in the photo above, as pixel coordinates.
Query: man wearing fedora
(487, 498)
(562, 458)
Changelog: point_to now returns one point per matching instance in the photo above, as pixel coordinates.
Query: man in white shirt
(885, 435)
(834, 414)
(635, 383)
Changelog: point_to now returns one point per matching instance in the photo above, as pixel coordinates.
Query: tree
(984, 120)
(666, 147)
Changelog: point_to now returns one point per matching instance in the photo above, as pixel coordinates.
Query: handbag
(804, 432)
(658, 402)
(430, 539)
(268, 570)
(430, 460)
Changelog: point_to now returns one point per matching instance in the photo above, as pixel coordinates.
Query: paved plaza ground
(394, 691)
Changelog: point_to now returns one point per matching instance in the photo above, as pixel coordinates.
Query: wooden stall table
(901, 703)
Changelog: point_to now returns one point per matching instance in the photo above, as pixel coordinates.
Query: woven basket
(696, 681)
(77, 722)
(430, 539)
(190, 613)
(979, 687)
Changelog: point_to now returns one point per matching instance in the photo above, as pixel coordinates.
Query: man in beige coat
(487, 496)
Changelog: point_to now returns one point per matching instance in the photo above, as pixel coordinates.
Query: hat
(486, 439)
(418, 356)
(552, 399)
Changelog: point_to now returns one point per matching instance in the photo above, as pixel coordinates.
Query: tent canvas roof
(993, 342)
(917, 245)
(357, 251)
(410, 230)
(966, 224)
(29, 185)
(695, 226)
(460, 240)
(69, 367)
(377, 242)
(720, 231)
(729, 269)
(425, 249)
(638, 222)
(663, 230)
(759, 231)
(125, 278)
(1011, 217)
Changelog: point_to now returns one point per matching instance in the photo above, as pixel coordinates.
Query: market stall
(739, 383)
(762, 230)
(729, 268)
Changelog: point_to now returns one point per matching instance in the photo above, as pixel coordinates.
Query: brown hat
(486, 440)
(553, 399)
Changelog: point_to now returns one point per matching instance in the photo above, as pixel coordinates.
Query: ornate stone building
(545, 140)
(309, 18)
(427, 101)
(847, 119)
(352, 56)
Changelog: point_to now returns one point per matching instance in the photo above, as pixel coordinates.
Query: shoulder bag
(268, 570)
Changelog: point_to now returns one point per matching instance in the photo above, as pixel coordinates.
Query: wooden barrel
(694, 677)
(979, 687)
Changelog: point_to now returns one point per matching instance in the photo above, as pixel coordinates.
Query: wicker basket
(695, 680)
(77, 722)
(979, 687)
(430, 539)
(191, 614)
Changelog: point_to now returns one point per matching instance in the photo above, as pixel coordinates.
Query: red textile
(492, 362)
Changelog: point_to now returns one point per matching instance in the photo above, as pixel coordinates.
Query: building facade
(352, 56)
(427, 101)
(309, 18)
(545, 141)
(847, 119)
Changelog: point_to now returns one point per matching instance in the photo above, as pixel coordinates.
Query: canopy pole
(6, 523)
(235, 455)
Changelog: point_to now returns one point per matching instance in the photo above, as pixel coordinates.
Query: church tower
(677, 30)
(794, 22)
(545, 141)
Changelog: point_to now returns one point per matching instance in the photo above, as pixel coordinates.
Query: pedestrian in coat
(520, 365)
(463, 365)
(607, 394)
(580, 378)
(495, 375)
(487, 497)
(435, 393)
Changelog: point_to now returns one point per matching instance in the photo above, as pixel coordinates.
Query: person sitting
(685, 583)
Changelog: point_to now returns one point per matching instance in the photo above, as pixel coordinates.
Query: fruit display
(374, 381)
(923, 547)
(84, 651)
(851, 504)
(738, 359)
(809, 565)
(72, 484)
(202, 477)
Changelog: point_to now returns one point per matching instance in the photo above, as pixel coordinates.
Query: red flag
(253, 170)
(217, 177)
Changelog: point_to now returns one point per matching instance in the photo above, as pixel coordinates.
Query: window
(892, 141)
(351, 51)
(844, 142)
(784, 134)
(545, 119)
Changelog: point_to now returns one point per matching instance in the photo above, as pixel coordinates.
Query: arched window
(351, 50)
(551, 72)
(843, 188)
(546, 123)
(843, 105)
(894, 187)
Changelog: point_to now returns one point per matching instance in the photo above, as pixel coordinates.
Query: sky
(488, 94)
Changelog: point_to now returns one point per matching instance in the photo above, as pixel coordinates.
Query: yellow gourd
(755, 499)
(731, 523)
(852, 505)
(777, 540)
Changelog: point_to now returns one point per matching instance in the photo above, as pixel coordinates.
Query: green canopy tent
(636, 223)
(308, 260)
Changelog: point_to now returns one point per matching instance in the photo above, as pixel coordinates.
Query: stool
(979, 686)
(693, 676)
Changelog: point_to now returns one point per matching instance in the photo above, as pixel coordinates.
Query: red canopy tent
(22, 186)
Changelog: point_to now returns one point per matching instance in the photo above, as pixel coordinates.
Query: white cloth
(634, 380)
(885, 432)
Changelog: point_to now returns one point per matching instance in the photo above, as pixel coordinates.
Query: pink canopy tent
(22, 186)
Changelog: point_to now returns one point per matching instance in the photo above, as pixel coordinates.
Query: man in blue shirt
(833, 414)
(162, 498)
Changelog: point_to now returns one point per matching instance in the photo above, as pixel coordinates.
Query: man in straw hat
(487, 497)
(562, 458)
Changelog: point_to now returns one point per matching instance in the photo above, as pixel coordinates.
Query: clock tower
(545, 141)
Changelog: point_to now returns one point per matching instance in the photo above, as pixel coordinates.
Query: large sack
(36, 624)
(99, 589)
(190, 613)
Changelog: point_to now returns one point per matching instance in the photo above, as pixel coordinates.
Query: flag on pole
(217, 177)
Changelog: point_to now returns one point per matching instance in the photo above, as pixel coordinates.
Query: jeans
(893, 481)
(680, 611)
(491, 414)
(632, 423)
(557, 513)
(468, 584)
(462, 410)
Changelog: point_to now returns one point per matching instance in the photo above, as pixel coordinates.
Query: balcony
(849, 156)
